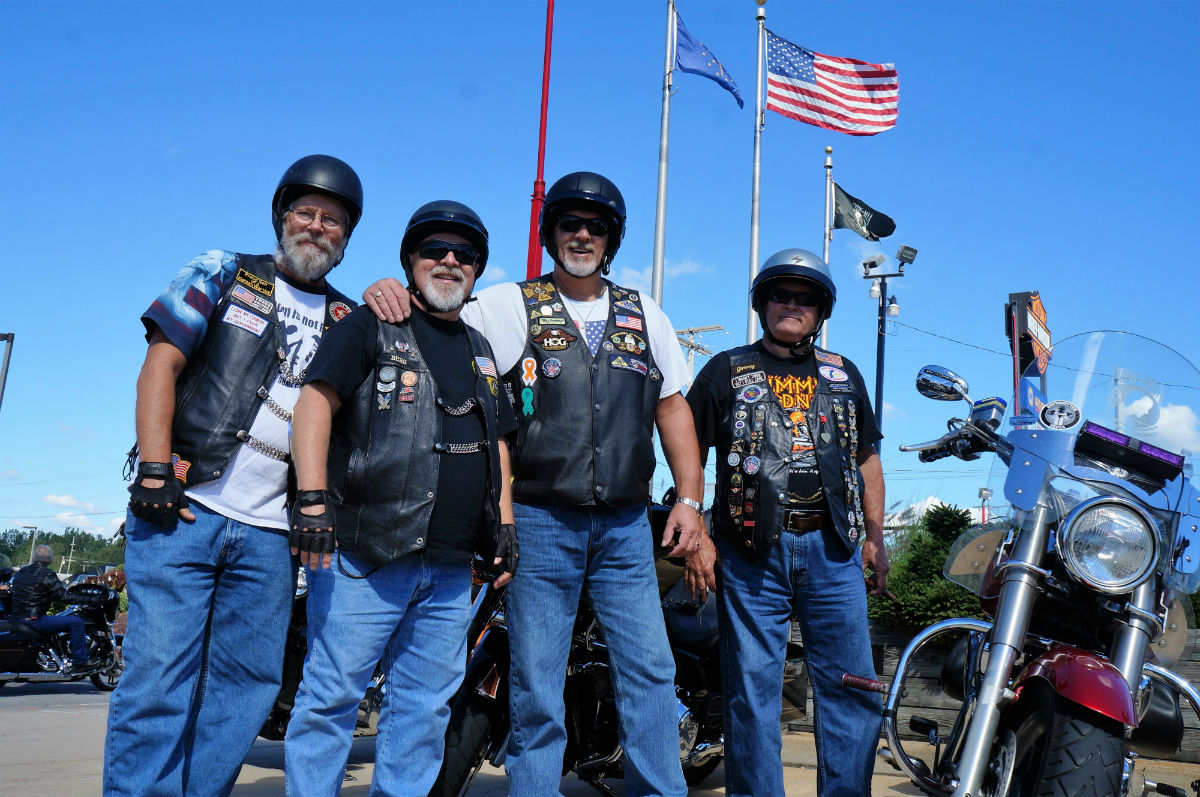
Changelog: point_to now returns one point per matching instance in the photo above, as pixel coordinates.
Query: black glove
(507, 548)
(312, 533)
(157, 505)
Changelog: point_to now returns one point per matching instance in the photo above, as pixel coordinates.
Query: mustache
(307, 237)
(447, 271)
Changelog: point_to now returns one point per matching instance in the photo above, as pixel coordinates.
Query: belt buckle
(799, 521)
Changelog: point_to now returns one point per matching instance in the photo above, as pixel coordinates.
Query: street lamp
(32, 541)
(873, 269)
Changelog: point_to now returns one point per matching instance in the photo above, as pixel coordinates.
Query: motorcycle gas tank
(1087, 679)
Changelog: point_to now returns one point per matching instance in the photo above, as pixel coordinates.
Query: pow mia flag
(854, 214)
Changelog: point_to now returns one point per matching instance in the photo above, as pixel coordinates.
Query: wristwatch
(699, 507)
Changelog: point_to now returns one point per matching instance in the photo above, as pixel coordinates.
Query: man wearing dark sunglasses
(799, 487)
(591, 369)
(229, 341)
(414, 481)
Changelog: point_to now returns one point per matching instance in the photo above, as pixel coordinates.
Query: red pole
(533, 265)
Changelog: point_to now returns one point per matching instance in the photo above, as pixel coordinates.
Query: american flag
(840, 94)
(628, 322)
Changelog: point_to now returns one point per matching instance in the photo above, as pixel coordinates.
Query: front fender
(1085, 678)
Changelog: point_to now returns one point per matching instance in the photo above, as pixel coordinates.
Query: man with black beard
(414, 480)
(229, 341)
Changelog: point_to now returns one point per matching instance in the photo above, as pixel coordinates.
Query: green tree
(89, 550)
(923, 595)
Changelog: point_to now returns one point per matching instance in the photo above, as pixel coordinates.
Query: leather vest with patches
(225, 382)
(752, 477)
(384, 452)
(586, 423)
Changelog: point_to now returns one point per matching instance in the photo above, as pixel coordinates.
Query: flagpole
(660, 212)
(828, 229)
(760, 14)
(533, 264)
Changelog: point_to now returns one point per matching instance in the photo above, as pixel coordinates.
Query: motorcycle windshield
(1136, 404)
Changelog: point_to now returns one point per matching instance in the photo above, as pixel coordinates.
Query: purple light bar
(1108, 434)
(1166, 456)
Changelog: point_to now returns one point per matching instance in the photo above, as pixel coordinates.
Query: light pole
(32, 541)
(7, 339)
(888, 308)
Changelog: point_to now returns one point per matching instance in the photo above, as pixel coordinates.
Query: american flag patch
(628, 322)
(485, 366)
(180, 467)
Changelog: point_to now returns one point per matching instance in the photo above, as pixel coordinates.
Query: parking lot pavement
(52, 743)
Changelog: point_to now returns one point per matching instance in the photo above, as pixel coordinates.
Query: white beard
(307, 264)
(444, 297)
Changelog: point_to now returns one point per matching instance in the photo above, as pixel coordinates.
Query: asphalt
(52, 745)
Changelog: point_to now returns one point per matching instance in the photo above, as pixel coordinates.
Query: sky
(1041, 146)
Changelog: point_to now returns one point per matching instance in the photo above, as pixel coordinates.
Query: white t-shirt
(253, 487)
(500, 313)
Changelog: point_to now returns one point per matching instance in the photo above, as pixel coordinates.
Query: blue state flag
(692, 56)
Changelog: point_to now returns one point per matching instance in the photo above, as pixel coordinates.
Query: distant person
(34, 587)
(591, 369)
(799, 488)
(417, 405)
(230, 340)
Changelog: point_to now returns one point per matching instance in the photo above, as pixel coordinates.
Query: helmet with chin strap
(793, 264)
(586, 191)
(318, 174)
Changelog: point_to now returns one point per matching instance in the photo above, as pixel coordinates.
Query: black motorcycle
(479, 715)
(27, 655)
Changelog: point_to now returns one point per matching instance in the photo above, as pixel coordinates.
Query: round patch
(751, 465)
(408, 378)
(387, 373)
(339, 310)
(606, 346)
(733, 459)
(552, 367)
(740, 415)
(1060, 415)
(752, 393)
(833, 374)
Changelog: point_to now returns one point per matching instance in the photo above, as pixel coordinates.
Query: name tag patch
(244, 319)
(255, 282)
(749, 379)
(628, 364)
(260, 304)
(833, 374)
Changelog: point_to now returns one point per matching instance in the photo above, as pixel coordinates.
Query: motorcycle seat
(15, 629)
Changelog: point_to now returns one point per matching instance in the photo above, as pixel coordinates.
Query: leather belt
(799, 522)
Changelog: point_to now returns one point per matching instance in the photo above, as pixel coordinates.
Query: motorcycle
(296, 648)
(29, 656)
(479, 717)
(1086, 585)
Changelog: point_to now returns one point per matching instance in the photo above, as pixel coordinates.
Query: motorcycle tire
(1062, 747)
(468, 737)
(698, 774)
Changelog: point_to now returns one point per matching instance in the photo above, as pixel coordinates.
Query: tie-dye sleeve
(183, 309)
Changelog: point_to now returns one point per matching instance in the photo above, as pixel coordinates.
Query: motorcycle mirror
(941, 384)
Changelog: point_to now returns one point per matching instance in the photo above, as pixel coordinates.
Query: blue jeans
(412, 614)
(208, 611)
(608, 556)
(815, 577)
(55, 623)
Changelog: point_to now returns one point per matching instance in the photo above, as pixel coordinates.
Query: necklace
(579, 314)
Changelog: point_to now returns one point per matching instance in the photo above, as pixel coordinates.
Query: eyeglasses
(595, 227)
(802, 297)
(306, 215)
(465, 254)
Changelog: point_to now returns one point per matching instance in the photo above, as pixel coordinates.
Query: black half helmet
(584, 190)
(322, 174)
(449, 216)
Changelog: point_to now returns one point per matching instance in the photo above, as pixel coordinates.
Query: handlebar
(965, 440)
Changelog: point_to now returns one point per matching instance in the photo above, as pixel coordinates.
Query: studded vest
(385, 450)
(752, 478)
(225, 382)
(586, 423)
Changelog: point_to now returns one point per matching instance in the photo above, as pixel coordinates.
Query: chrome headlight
(1108, 543)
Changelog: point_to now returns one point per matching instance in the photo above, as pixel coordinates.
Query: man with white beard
(229, 342)
(412, 483)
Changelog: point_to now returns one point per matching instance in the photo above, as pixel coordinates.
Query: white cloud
(76, 520)
(642, 279)
(10, 474)
(891, 411)
(68, 501)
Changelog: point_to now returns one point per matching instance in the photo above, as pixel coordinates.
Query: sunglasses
(595, 227)
(802, 298)
(465, 254)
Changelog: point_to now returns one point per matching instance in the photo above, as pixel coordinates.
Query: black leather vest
(586, 423)
(752, 477)
(225, 382)
(383, 456)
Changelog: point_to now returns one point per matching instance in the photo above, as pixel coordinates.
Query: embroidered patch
(749, 379)
(833, 374)
(180, 466)
(339, 310)
(752, 393)
(255, 282)
(528, 374)
(486, 366)
(628, 322)
(536, 293)
(840, 388)
(744, 367)
(552, 367)
(492, 385)
(260, 304)
(628, 364)
(628, 342)
(554, 339)
(553, 321)
(828, 359)
(627, 306)
(244, 319)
